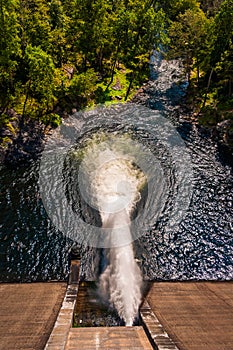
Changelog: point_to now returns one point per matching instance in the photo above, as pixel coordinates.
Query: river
(187, 205)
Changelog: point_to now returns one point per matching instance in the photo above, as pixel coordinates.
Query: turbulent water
(115, 185)
(121, 283)
(195, 242)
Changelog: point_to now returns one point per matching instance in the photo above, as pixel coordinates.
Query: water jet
(110, 184)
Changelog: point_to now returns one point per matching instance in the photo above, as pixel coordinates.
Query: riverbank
(21, 147)
(167, 91)
(28, 146)
(174, 102)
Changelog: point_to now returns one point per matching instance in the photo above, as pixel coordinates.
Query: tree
(10, 52)
(82, 88)
(174, 8)
(34, 23)
(59, 47)
(222, 31)
(90, 34)
(220, 57)
(188, 36)
(211, 7)
(40, 86)
(224, 69)
(142, 28)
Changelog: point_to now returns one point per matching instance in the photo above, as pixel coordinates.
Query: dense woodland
(57, 55)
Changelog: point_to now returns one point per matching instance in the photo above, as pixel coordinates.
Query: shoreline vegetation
(61, 56)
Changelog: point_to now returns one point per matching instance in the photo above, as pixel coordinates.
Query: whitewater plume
(121, 281)
(117, 194)
(114, 190)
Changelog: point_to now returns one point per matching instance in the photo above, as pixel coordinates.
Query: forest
(57, 56)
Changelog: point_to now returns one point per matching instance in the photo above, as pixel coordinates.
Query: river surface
(196, 244)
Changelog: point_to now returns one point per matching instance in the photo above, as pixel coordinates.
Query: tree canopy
(201, 35)
(57, 55)
(54, 52)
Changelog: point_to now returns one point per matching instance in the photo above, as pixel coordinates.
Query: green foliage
(211, 7)
(53, 51)
(221, 55)
(116, 91)
(5, 141)
(34, 22)
(59, 25)
(10, 51)
(174, 8)
(224, 69)
(201, 34)
(6, 124)
(41, 70)
(82, 87)
(40, 86)
(4, 120)
(222, 31)
(52, 119)
(61, 54)
(188, 36)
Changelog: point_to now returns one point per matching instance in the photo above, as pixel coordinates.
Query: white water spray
(121, 282)
(115, 190)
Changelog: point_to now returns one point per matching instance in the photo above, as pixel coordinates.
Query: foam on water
(114, 189)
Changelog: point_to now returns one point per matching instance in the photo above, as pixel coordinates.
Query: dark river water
(187, 207)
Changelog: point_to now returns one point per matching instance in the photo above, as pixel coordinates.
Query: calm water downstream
(198, 246)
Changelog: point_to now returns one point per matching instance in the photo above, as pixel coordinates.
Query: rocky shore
(20, 143)
(165, 91)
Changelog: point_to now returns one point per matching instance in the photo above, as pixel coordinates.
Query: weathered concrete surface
(108, 338)
(59, 335)
(27, 314)
(156, 332)
(64, 337)
(197, 316)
